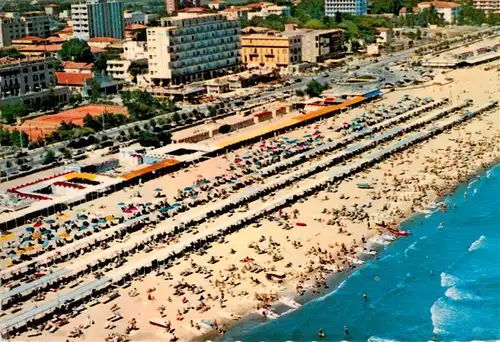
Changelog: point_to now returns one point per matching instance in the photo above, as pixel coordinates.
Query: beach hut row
(224, 207)
(166, 256)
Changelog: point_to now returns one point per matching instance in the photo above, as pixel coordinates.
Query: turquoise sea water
(441, 284)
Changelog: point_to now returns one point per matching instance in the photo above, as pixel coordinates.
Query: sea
(442, 283)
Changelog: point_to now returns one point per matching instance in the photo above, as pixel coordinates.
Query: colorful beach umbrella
(121, 204)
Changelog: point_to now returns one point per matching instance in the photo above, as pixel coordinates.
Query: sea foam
(477, 244)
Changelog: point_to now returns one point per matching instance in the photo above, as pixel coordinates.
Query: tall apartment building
(14, 25)
(357, 7)
(191, 47)
(272, 49)
(29, 80)
(490, 6)
(98, 18)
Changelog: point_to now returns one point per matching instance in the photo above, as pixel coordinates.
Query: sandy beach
(294, 250)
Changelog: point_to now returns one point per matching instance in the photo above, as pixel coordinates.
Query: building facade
(98, 18)
(14, 25)
(271, 50)
(356, 7)
(29, 81)
(266, 11)
(489, 6)
(190, 48)
(131, 18)
(171, 6)
(52, 10)
(318, 45)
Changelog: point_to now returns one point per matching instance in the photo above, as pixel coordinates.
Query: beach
(295, 249)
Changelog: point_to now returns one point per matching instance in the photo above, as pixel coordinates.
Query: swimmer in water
(465, 195)
(321, 333)
(431, 273)
(346, 331)
(441, 225)
(365, 297)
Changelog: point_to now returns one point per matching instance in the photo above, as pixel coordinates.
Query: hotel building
(272, 49)
(29, 80)
(356, 7)
(98, 18)
(190, 48)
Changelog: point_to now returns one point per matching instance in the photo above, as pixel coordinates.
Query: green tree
(19, 138)
(10, 112)
(315, 88)
(338, 17)
(137, 69)
(11, 52)
(65, 152)
(314, 24)
(94, 90)
(76, 50)
(148, 138)
(469, 15)
(48, 157)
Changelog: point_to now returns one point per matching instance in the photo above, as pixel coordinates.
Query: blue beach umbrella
(176, 204)
(121, 204)
(50, 221)
(188, 188)
(30, 229)
(45, 244)
(158, 189)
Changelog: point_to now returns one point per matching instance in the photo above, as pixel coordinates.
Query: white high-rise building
(356, 7)
(189, 48)
(98, 18)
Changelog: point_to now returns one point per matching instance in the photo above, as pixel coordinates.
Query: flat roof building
(318, 45)
(190, 48)
(490, 6)
(14, 25)
(98, 18)
(356, 7)
(28, 81)
(272, 49)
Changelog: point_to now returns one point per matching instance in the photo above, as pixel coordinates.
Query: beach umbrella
(188, 188)
(26, 238)
(30, 229)
(121, 204)
(45, 244)
(46, 231)
(50, 221)
(82, 217)
(158, 189)
(176, 204)
(38, 224)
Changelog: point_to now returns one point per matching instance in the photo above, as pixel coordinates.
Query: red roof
(94, 49)
(193, 10)
(51, 5)
(103, 40)
(77, 65)
(30, 39)
(72, 78)
(40, 48)
(55, 40)
(439, 4)
(135, 27)
(66, 30)
(258, 115)
(255, 6)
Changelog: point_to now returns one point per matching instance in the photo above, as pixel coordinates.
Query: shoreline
(334, 281)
